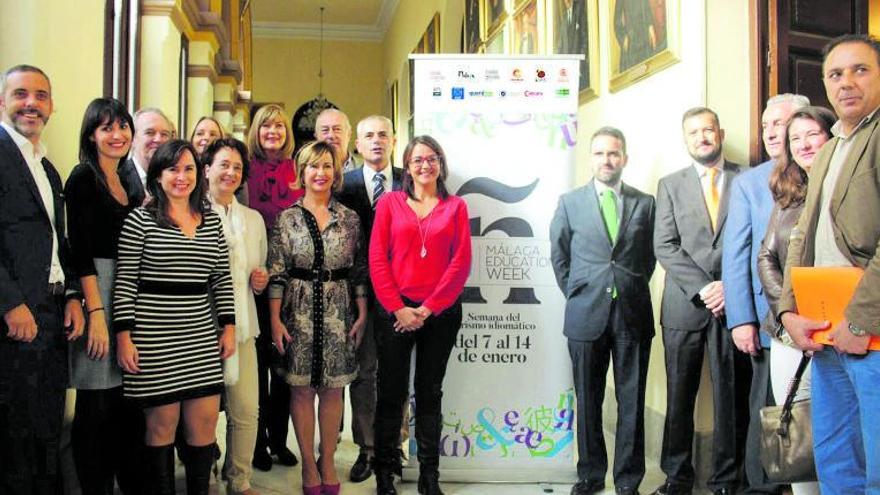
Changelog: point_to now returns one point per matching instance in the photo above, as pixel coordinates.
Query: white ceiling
(356, 20)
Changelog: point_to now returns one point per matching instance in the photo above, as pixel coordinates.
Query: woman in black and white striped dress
(172, 253)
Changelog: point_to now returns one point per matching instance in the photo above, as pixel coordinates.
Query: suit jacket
(687, 247)
(354, 195)
(747, 216)
(587, 265)
(26, 233)
(856, 224)
(131, 181)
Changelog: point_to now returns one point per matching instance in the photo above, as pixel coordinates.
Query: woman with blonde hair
(206, 131)
(272, 188)
(317, 265)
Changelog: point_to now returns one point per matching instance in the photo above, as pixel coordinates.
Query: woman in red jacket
(420, 256)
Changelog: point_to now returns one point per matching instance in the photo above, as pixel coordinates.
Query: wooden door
(803, 29)
(791, 35)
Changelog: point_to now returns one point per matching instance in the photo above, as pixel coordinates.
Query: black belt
(56, 288)
(321, 275)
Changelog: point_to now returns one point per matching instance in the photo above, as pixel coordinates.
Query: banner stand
(508, 127)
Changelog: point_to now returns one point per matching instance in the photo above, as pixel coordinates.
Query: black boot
(198, 462)
(158, 473)
(385, 482)
(428, 428)
(385, 465)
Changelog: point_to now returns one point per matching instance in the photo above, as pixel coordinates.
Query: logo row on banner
(476, 88)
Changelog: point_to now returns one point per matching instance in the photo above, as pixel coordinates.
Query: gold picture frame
(394, 109)
(495, 13)
(643, 39)
(431, 38)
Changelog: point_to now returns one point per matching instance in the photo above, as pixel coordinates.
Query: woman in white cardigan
(226, 167)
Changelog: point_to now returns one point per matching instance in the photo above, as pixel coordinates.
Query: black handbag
(787, 437)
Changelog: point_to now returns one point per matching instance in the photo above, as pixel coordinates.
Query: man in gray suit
(601, 252)
(691, 210)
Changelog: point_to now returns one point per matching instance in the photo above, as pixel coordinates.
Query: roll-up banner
(508, 126)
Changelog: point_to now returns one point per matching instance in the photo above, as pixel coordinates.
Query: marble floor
(283, 480)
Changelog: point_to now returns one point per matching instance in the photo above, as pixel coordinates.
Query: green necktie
(608, 203)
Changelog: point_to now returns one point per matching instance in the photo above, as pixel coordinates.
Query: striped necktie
(378, 187)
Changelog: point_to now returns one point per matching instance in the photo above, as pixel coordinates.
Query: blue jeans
(846, 410)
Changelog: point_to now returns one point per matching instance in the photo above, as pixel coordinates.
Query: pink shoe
(313, 490)
(330, 489)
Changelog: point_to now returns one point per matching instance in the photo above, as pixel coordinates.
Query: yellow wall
(406, 30)
(286, 71)
(160, 65)
(65, 39)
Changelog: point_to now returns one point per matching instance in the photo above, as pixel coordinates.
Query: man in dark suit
(151, 130)
(362, 188)
(608, 310)
(40, 311)
(691, 212)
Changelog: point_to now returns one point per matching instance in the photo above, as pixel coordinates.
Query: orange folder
(823, 293)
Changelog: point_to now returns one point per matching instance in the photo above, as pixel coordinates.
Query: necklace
(423, 235)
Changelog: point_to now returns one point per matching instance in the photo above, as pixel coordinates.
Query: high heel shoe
(331, 489)
(313, 490)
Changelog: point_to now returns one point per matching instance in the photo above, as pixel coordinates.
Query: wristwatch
(858, 332)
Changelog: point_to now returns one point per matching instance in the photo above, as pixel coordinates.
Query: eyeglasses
(432, 160)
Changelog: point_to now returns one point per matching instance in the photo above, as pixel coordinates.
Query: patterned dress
(318, 313)
(161, 295)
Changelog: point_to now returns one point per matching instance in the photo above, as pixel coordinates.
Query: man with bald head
(362, 188)
(332, 126)
(152, 129)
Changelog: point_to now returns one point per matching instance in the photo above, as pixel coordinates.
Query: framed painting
(495, 12)
(473, 30)
(643, 39)
(526, 35)
(575, 30)
(394, 105)
(431, 38)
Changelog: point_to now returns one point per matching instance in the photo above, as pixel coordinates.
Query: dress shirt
(349, 164)
(142, 172)
(827, 251)
(33, 156)
(369, 173)
(703, 173)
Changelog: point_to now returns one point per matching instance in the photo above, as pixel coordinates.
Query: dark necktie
(378, 188)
